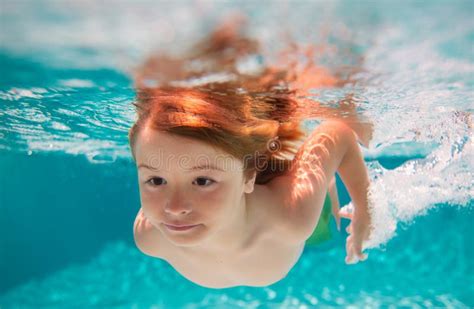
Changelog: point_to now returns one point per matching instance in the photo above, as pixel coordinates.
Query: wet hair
(206, 96)
(256, 130)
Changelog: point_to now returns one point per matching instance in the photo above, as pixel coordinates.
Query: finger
(348, 251)
(360, 255)
(345, 214)
(349, 229)
(357, 247)
(348, 245)
(350, 258)
(347, 211)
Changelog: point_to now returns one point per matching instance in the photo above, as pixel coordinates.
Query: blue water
(68, 191)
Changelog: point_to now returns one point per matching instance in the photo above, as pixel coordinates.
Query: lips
(179, 224)
(180, 227)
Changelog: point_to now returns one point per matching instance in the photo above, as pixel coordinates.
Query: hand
(359, 231)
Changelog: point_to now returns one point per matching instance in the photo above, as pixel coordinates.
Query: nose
(176, 205)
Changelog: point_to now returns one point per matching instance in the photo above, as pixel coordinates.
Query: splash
(400, 195)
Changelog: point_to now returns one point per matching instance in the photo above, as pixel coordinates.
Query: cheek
(215, 197)
(148, 198)
(222, 194)
(219, 200)
(150, 203)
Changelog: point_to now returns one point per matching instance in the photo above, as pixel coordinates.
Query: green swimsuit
(322, 232)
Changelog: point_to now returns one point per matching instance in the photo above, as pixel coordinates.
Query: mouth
(180, 228)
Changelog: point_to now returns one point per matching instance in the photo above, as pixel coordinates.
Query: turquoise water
(68, 191)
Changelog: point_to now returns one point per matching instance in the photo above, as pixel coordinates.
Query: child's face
(178, 187)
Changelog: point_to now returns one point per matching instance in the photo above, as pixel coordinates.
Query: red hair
(245, 115)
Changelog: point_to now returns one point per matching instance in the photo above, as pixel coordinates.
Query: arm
(332, 147)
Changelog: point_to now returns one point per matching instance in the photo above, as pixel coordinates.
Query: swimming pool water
(68, 191)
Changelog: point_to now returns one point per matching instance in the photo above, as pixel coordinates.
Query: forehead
(154, 148)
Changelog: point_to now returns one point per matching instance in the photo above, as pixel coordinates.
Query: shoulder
(296, 198)
(274, 216)
(147, 237)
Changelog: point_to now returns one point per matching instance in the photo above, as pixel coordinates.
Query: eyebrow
(194, 168)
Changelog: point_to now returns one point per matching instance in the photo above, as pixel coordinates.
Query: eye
(156, 181)
(202, 181)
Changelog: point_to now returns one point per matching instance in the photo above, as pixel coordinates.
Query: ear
(249, 181)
